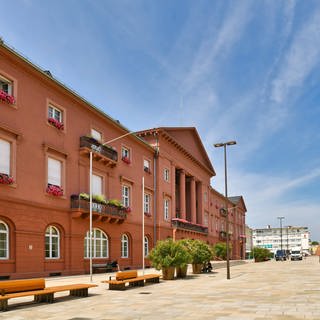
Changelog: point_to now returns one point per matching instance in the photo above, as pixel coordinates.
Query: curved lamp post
(90, 196)
(224, 145)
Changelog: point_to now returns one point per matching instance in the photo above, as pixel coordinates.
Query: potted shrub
(167, 255)
(261, 254)
(200, 253)
(220, 250)
(181, 269)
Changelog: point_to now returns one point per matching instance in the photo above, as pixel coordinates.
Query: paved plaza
(269, 290)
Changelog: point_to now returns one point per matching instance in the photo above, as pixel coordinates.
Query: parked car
(296, 254)
(281, 255)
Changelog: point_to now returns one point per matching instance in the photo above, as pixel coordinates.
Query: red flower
(56, 123)
(5, 179)
(126, 160)
(127, 209)
(6, 97)
(54, 190)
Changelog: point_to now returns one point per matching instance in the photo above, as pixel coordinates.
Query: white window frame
(166, 174)
(124, 246)
(126, 195)
(146, 165)
(96, 180)
(146, 246)
(51, 179)
(166, 211)
(6, 240)
(125, 153)
(95, 134)
(98, 237)
(147, 203)
(6, 82)
(49, 239)
(5, 156)
(55, 113)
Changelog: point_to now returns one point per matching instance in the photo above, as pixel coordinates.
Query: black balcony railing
(98, 148)
(186, 225)
(102, 209)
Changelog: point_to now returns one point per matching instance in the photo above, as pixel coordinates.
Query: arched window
(124, 246)
(99, 244)
(52, 242)
(146, 246)
(4, 241)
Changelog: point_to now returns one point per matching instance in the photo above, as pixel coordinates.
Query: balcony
(186, 225)
(101, 153)
(80, 208)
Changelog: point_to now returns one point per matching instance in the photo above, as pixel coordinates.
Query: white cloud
(264, 198)
(303, 56)
(217, 45)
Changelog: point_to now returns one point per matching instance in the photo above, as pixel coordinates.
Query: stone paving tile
(269, 291)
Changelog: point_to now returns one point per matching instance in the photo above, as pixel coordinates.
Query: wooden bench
(10, 289)
(131, 277)
(109, 266)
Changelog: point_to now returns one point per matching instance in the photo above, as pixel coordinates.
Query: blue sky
(236, 70)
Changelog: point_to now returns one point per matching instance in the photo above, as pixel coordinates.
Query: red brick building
(46, 134)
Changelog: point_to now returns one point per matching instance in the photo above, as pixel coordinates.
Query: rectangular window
(147, 203)
(166, 174)
(146, 165)
(54, 172)
(97, 185)
(206, 219)
(6, 85)
(5, 153)
(96, 135)
(126, 196)
(166, 209)
(125, 155)
(55, 113)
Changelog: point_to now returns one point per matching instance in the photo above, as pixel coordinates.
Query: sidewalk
(285, 290)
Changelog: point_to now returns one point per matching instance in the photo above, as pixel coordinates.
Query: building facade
(284, 238)
(47, 135)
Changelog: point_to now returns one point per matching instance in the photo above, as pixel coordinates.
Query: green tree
(220, 250)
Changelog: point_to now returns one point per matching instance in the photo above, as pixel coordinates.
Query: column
(193, 200)
(200, 212)
(182, 186)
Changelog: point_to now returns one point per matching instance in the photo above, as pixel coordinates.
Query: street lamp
(90, 195)
(224, 145)
(280, 219)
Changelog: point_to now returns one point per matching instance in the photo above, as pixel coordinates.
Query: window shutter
(96, 184)
(5, 148)
(54, 172)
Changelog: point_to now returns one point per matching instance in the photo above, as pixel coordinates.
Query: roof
(187, 140)
(48, 75)
(236, 200)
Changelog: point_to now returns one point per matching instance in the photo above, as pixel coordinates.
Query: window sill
(57, 129)
(55, 197)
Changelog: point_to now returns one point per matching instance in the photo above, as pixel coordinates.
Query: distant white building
(286, 238)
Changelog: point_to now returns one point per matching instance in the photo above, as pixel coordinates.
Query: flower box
(126, 160)
(6, 97)
(127, 209)
(147, 170)
(6, 179)
(59, 125)
(148, 214)
(54, 190)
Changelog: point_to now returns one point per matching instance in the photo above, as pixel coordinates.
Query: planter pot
(168, 273)
(196, 268)
(181, 271)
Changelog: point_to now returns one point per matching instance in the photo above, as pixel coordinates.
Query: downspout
(155, 202)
